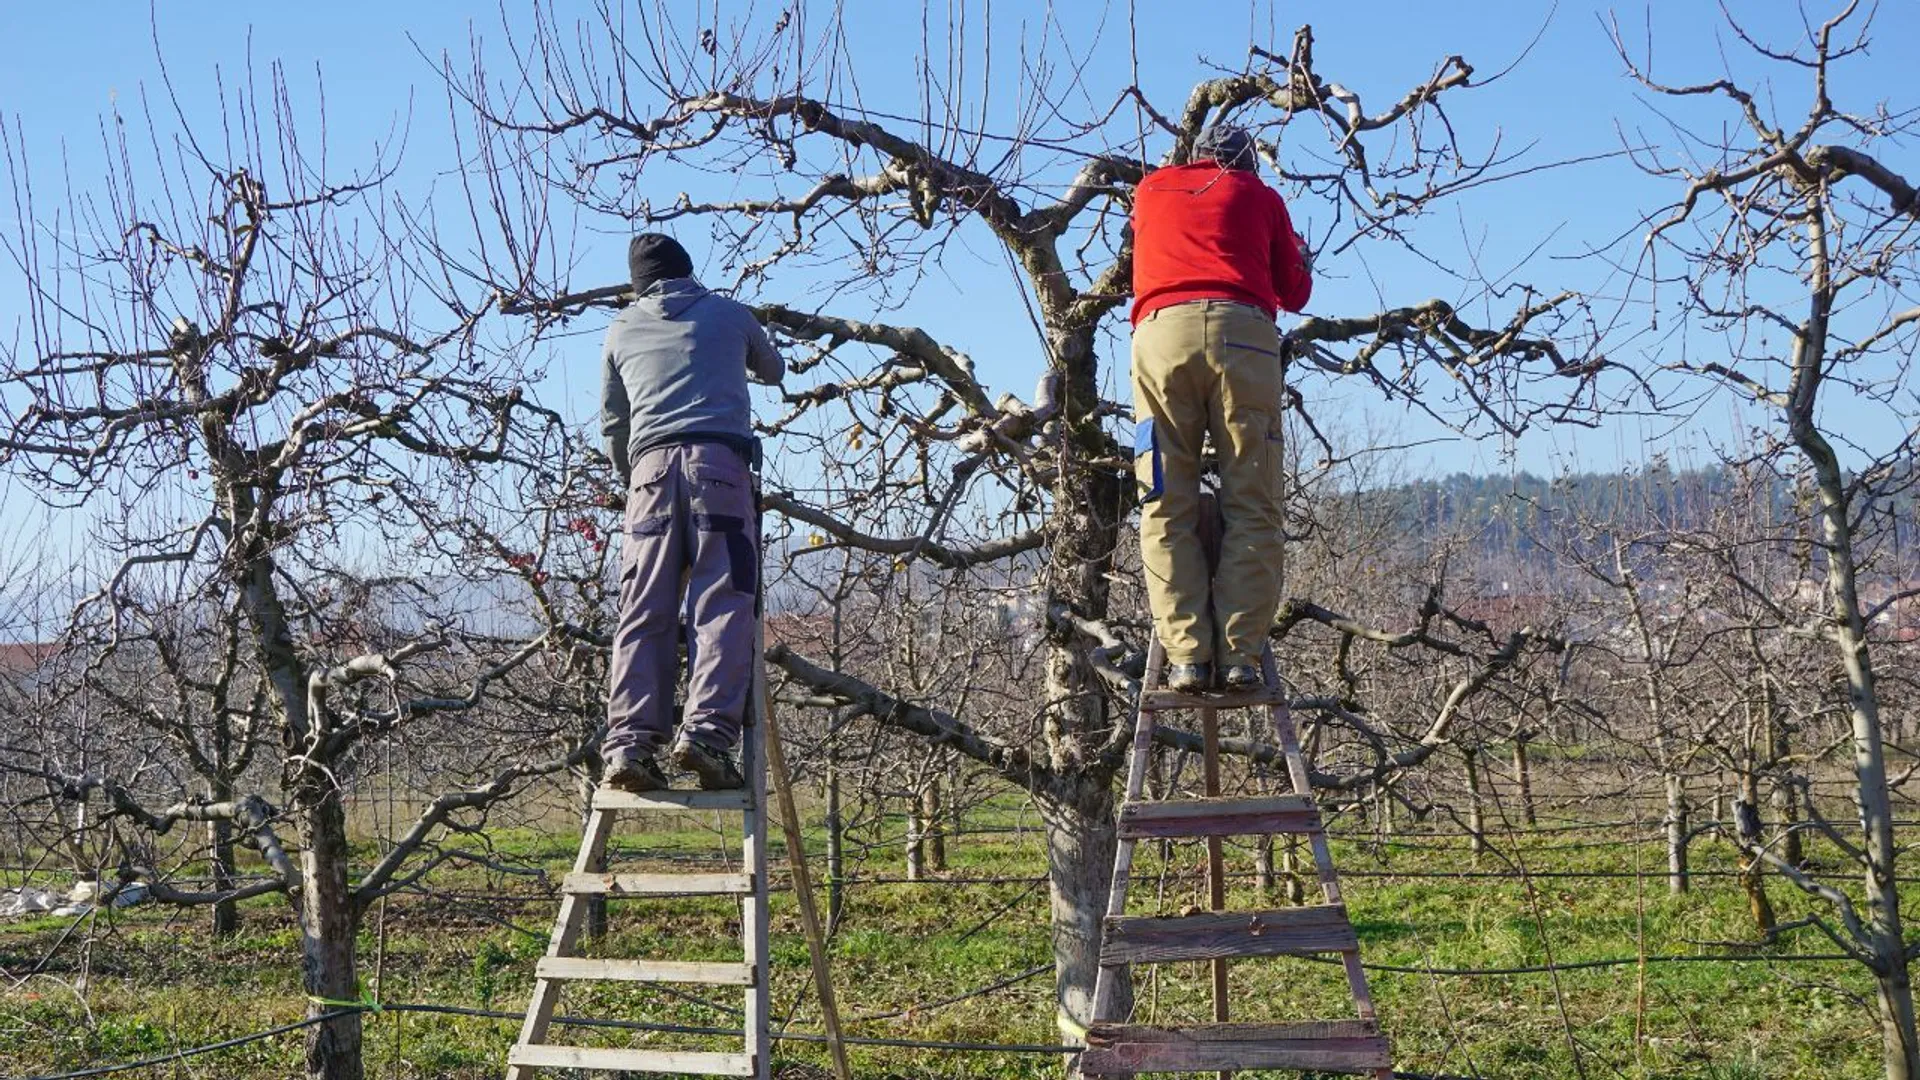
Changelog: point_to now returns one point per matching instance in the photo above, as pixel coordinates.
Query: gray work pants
(692, 550)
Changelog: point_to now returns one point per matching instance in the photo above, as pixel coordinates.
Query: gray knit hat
(1227, 144)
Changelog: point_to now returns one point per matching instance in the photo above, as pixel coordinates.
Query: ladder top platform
(606, 798)
(1258, 698)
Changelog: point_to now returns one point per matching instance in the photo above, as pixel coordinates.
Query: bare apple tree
(839, 216)
(1795, 242)
(252, 380)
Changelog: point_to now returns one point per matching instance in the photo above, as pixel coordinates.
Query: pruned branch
(1011, 762)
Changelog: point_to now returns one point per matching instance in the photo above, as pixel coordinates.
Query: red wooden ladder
(1115, 1046)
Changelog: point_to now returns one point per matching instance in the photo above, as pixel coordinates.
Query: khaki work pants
(1209, 367)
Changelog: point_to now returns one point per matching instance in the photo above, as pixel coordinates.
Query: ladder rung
(671, 971)
(1220, 817)
(1296, 931)
(1351, 1046)
(657, 884)
(1156, 700)
(622, 1060)
(606, 798)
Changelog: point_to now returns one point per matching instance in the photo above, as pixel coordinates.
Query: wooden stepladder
(1116, 1046)
(562, 964)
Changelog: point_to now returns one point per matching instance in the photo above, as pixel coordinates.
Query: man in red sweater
(1214, 255)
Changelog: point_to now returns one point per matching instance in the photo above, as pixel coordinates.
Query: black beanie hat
(655, 257)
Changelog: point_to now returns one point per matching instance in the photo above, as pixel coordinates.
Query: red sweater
(1203, 232)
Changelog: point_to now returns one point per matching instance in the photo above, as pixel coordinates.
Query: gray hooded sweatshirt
(677, 361)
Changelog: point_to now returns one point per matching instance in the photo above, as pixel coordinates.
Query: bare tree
(850, 209)
(255, 378)
(1795, 241)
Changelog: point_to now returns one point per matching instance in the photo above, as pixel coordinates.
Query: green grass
(154, 982)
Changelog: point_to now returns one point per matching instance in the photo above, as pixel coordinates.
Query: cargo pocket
(649, 513)
(1269, 466)
(1147, 466)
(1251, 370)
(650, 500)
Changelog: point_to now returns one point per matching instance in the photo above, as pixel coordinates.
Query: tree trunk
(1263, 879)
(1885, 937)
(76, 851)
(1746, 817)
(934, 823)
(329, 922)
(1784, 797)
(1076, 800)
(1786, 816)
(1523, 777)
(1081, 841)
(1678, 879)
(1290, 866)
(329, 917)
(916, 838)
(226, 913)
(1900, 1047)
(1476, 820)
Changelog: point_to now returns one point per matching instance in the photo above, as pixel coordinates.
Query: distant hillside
(1523, 513)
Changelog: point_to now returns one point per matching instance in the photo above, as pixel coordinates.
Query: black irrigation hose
(1589, 965)
(987, 989)
(182, 1055)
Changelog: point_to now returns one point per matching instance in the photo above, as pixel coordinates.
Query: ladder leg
(1289, 736)
(802, 880)
(566, 932)
(1216, 864)
(1104, 983)
(753, 906)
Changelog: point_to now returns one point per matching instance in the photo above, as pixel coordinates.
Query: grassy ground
(148, 981)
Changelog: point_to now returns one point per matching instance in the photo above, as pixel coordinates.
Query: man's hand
(1306, 253)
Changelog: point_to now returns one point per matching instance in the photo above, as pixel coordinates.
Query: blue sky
(1566, 98)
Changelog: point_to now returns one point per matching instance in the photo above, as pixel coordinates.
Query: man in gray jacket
(678, 423)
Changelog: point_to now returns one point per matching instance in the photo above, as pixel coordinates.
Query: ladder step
(1220, 817)
(1264, 697)
(606, 798)
(620, 1060)
(1295, 931)
(671, 971)
(657, 884)
(1349, 1046)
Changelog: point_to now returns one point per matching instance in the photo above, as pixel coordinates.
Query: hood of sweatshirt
(668, 298)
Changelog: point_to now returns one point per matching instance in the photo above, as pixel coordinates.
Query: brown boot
(634, 773)
(714, 768)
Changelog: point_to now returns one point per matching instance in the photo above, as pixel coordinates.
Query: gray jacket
(677, 361)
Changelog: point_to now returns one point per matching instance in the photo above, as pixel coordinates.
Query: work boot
(1190, 678)
(1240, 678)
(633, 772)
(713, 768)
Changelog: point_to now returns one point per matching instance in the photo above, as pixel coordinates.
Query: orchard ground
(147, 981)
